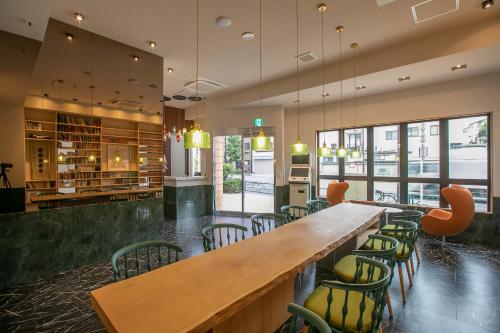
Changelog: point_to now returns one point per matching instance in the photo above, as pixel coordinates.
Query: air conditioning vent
(205, 86)
(306, 57)
(381, 3)
(126, 103)
(431, 9)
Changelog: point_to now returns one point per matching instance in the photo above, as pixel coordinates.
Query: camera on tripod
(5, 166)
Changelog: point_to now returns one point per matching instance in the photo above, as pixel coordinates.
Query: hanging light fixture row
(196, 137)
(261, 142)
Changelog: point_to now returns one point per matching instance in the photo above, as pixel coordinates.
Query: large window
(386, 151)
(411, 162)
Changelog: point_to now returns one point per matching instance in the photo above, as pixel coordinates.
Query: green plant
(233, 148)
(227, 171)
(232, 186)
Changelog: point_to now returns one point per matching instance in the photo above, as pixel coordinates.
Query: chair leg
(402, 282)
(389, 304)
(417, 254)
(412, 267)
(409, 273)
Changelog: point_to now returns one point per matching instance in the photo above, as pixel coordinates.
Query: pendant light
(356, 154)
(324, 150)
(261, 142)
(298, 148)
(341, 152)
(196, 137)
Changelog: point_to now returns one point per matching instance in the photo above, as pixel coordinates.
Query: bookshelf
(72, 154)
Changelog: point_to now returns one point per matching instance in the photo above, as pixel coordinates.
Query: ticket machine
(299, 181)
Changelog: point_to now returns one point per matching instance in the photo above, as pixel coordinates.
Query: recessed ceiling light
(152, 44)
(179, 97)
(166, 98)
(488, 4)
(295, 101)
(247, 35)
(75, 100)
(194, 98)
(223, 22)
(459, 67)
(79, 17)
(170, 70)
(325, 95)
(99, 103)
(135, 58)
(404, 78)
(361, 87)
(69, 36)
(154, 86)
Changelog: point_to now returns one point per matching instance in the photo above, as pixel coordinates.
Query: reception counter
(187, 197)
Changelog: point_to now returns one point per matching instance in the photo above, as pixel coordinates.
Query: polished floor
(456, 289)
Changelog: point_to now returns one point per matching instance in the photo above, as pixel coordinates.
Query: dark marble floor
(456, 289)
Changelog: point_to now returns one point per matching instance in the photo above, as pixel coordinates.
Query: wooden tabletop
(64, 196)
(198, 293)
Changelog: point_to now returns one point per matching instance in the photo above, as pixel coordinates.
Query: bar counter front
(243, 287)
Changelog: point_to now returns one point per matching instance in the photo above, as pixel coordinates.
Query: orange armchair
(444, 223)
(335, 192)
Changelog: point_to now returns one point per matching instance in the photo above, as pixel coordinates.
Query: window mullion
(444, 161)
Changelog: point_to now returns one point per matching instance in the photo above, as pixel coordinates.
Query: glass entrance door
(243, 179)
(258, 179)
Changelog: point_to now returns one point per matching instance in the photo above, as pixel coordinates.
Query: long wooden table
(244, 287)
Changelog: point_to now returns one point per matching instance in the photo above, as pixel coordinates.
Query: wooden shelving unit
(69, 153)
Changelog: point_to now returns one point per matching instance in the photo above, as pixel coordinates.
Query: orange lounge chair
(444, 223)
(335, 192)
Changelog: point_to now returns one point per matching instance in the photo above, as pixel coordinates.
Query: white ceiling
(224, 56)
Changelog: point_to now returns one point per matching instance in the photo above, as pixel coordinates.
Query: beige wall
(463, 97)
(12, 142)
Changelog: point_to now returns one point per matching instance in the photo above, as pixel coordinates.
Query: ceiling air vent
(431, 9)
(381, 3)
(205, 86)
(306, 57)
(126, 104)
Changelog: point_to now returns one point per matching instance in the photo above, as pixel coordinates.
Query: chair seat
(317, 303)
(377, 245)
(440, 214)
(345, 270)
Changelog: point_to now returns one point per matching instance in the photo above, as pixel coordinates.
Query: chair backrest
(149, 255)
(379, 275)
(265, 222)
(462, 206)
(335, 192)
(293, 213)
(385, 253)
(222, 234)
(406, 232)
(315, 206)
(408, 215)
(316, 324)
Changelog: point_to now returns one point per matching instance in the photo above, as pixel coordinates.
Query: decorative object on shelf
(196, 137)
(118, 157)
(324, 150)
(341, 152)
(355, 154)
(298, 148)
(261, 142)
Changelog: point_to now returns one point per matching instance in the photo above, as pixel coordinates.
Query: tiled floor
(457, 289)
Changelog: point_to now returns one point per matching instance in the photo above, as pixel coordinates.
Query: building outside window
(418, 178)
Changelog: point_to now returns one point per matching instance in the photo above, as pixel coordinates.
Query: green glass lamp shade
(341, 152)
(356, 154)
(299, 148)
(324, 151)
(261, 142)
(196, 138)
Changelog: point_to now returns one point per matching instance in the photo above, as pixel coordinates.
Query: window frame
(443, 180)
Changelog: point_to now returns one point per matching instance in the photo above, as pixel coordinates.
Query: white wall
(464, 97)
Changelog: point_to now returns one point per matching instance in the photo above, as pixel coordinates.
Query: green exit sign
(258, 122)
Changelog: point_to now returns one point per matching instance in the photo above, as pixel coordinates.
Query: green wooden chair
(214, 234)
(266, 222)
(345, 268)
(315, 323)
(293, 213)
(353, 307)
(413, 216)
(406, 233)
(148, 253)
(315, 206)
